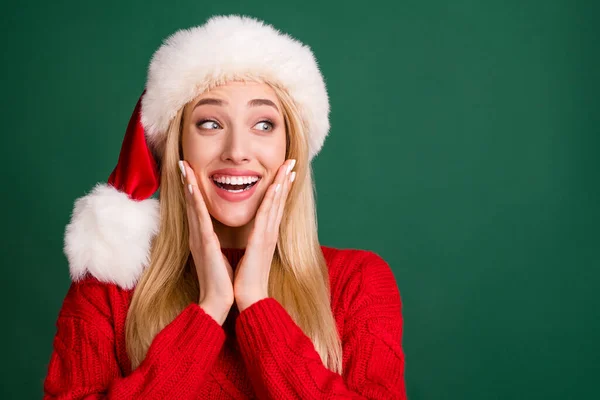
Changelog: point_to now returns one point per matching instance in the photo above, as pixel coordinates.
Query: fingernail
(277, 187)
(182, 181)
(182, 168)
(293, 176)
(290, 167)
(190, 189)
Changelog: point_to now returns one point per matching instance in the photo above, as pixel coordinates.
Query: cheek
(196, 150)
(274, 155)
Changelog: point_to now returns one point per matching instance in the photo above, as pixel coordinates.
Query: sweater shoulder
(91, 299)
(351, 260)
(360, 271)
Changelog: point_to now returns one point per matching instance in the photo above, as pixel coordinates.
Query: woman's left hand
(251, 277)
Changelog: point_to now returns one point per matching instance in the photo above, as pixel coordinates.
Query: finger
(262, 215)
(192, 217)
(289, 179)
(197, 200)
(280, 196)
(186, 194)
(276, 200)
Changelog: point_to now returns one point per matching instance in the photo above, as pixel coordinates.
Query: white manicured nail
(277, 187)
(182, 168)
(290, 167)
(190, 189)
(293, 176)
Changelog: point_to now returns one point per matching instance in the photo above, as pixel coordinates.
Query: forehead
(240, 91)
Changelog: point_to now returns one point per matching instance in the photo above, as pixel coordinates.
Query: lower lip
(235, 197)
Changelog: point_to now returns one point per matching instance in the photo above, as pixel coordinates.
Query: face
(234, 138)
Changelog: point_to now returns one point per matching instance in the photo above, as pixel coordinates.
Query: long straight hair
(298, 279)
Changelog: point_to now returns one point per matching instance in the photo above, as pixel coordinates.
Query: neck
(231, 237)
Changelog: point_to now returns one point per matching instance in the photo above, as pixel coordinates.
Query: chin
(234, 218)
(237, 213)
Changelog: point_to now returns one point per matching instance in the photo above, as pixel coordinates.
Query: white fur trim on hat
(229, 48)
(109, 236)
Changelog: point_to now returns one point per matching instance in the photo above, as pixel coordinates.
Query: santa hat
(112, 227)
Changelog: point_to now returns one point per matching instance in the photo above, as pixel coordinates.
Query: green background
(463, 149)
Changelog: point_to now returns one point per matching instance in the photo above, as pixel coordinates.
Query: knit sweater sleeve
(282, 360)
(83, 364)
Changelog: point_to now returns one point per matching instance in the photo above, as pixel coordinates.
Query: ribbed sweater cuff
(259, 325)
(191, 328)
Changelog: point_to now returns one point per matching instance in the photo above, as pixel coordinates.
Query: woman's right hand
(215, 275)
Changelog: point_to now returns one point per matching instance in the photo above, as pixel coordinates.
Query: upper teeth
(236, 180)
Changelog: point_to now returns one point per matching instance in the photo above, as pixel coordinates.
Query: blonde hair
(298, 279)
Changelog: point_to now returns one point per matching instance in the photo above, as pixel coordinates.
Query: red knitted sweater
(259, 353)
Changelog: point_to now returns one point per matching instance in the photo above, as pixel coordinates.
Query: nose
(236, 147)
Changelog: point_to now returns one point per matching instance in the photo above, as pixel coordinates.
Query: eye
(266, 124)
(208, 124)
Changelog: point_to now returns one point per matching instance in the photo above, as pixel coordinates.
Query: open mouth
(235, 188)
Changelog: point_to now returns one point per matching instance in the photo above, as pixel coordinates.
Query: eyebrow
(251, 103)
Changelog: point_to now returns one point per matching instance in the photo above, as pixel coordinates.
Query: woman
(220, 289)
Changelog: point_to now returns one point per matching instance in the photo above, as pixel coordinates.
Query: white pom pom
(109, 236)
